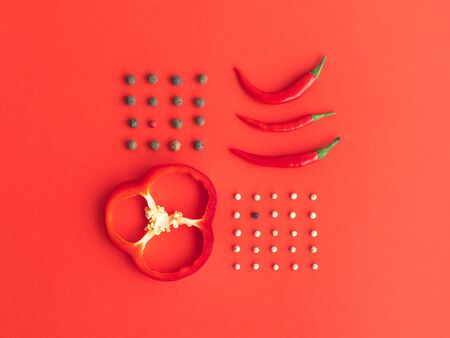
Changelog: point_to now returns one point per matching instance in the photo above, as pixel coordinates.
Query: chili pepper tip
(324, 151)
(238, 73)
(316, 71)
(316, 117)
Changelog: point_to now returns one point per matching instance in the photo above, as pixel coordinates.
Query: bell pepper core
(159, 221)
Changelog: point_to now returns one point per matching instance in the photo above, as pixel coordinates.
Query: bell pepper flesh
(159, 221)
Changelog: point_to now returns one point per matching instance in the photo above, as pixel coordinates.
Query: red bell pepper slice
(159, 221)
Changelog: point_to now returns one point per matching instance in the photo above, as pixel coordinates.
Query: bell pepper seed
(152, 123)
(176, 80)
(130, 79)
(176, 123)
(133, 123)
(152, 101)
(154, 145)
(199, 102)
(199, 120)
(202, 78)
(130, 100)
(198, 145)
(132, 145)
(177, 101)
(152, 78)
(255, 215)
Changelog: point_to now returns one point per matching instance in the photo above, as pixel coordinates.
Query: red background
(383, 192)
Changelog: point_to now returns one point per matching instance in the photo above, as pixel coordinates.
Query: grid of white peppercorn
(289, 245)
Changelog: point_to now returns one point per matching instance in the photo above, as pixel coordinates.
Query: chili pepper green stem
(324, 151)
(316, 71)
(316, 117)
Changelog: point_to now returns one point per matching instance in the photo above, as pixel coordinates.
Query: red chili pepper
(290, 93)
(159, 221)
(290, 125)
(286, 161)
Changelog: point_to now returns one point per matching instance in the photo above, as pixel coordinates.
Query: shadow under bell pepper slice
(159, 221)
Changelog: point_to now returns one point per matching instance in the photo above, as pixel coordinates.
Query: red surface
(383, 192)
